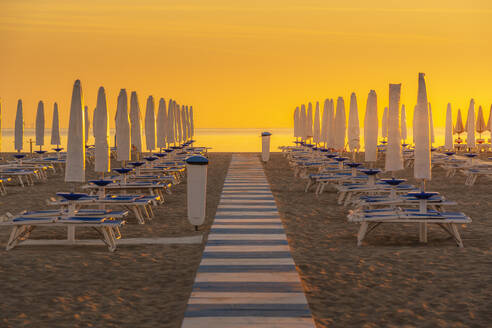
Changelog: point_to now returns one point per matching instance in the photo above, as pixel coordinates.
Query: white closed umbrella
(448, 133)
(371, 127)
(177, 117)
(303, 123)
(161, 124)
(55, 127)
(296, 123)
(324, 122)
(75, 162)
(19, 127)
(40, 125)
(433, 136)
(150, 124)
(309, 121)
(316, 127)
(135, 125)
(87, 123)
(101, 134)
(470, 126)
(489, 122)
(394, 158)
(403, 123)
(353, 132)
(422, 165)
(331, 125)
(384, 123)
(184, 123)
(123, 142)
(192, 123)
(480, 125)
(171, 134)
(340, 125)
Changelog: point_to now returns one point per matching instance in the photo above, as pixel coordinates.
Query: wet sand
(87, 286)
(392, 280)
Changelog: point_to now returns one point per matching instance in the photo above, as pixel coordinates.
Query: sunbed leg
(456, 235)
(362, 233)
(138, 215)
(13, 238)
(307, 185)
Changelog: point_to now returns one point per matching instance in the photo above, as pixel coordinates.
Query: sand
(392, 280)
(87, 286)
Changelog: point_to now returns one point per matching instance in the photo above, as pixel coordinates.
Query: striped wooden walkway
(247, 277)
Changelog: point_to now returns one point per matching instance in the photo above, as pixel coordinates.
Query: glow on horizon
(244, 63)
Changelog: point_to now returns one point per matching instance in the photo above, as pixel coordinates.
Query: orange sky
(243, 63)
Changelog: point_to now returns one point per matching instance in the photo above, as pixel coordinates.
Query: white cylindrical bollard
(196, 168)
(265, 146)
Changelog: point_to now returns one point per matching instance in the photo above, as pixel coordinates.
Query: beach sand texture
(392, 280)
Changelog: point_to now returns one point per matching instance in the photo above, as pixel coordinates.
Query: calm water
(221, 140)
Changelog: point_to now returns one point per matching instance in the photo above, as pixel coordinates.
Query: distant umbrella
(122, 128)
(94, 123)
(371, 128)
(303, 124)
(448, 133)
(324, 122)
(393, 158)
(55, 127)
(331, 125)
(384, 123)
(470, 125)
(75, 163)
(340, 125)
(40, 125)
(150, 124)
(481, 127)
(433, 136)
(489, 122)
(162, 123)
(135, 125)
(87, 123)
(171, 135)
(459, 127)
(184, 124)
(192, 122)
(177, 117)
(422, 165)
(296, 123)
(316, 127)
(101, 134)
(353, 132)
(19, 127)
(309, 121)
(403, 123)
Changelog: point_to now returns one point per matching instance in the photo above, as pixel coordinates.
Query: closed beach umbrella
(101, 134)
(122, 128)
(40, 125)
(384, 123)
(192, 123)
(135, 125)
(184, 123)
(331, 125)
(459, 127)
(448, 133)
(171, 135)
(470, 126)
(316, 127)
(309, 121)
(55, 127)
(340, 125)
(489, 122)
(87, 123)
(296, 123)
(162, 123)
(324, 122)
(302, 122)
(75, 163)
(19, 127)
(433, 137)
(422, 165)
(371, 127)
(150, 124)
(403, 123)
(394, 159)
(481, 127)
(353, 124)
(177, 117)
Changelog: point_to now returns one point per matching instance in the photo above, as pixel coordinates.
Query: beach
(391, 281)
(88, 286)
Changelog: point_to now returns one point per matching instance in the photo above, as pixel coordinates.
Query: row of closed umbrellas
(333, 129)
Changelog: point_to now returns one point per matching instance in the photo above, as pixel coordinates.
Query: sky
(243, 64)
